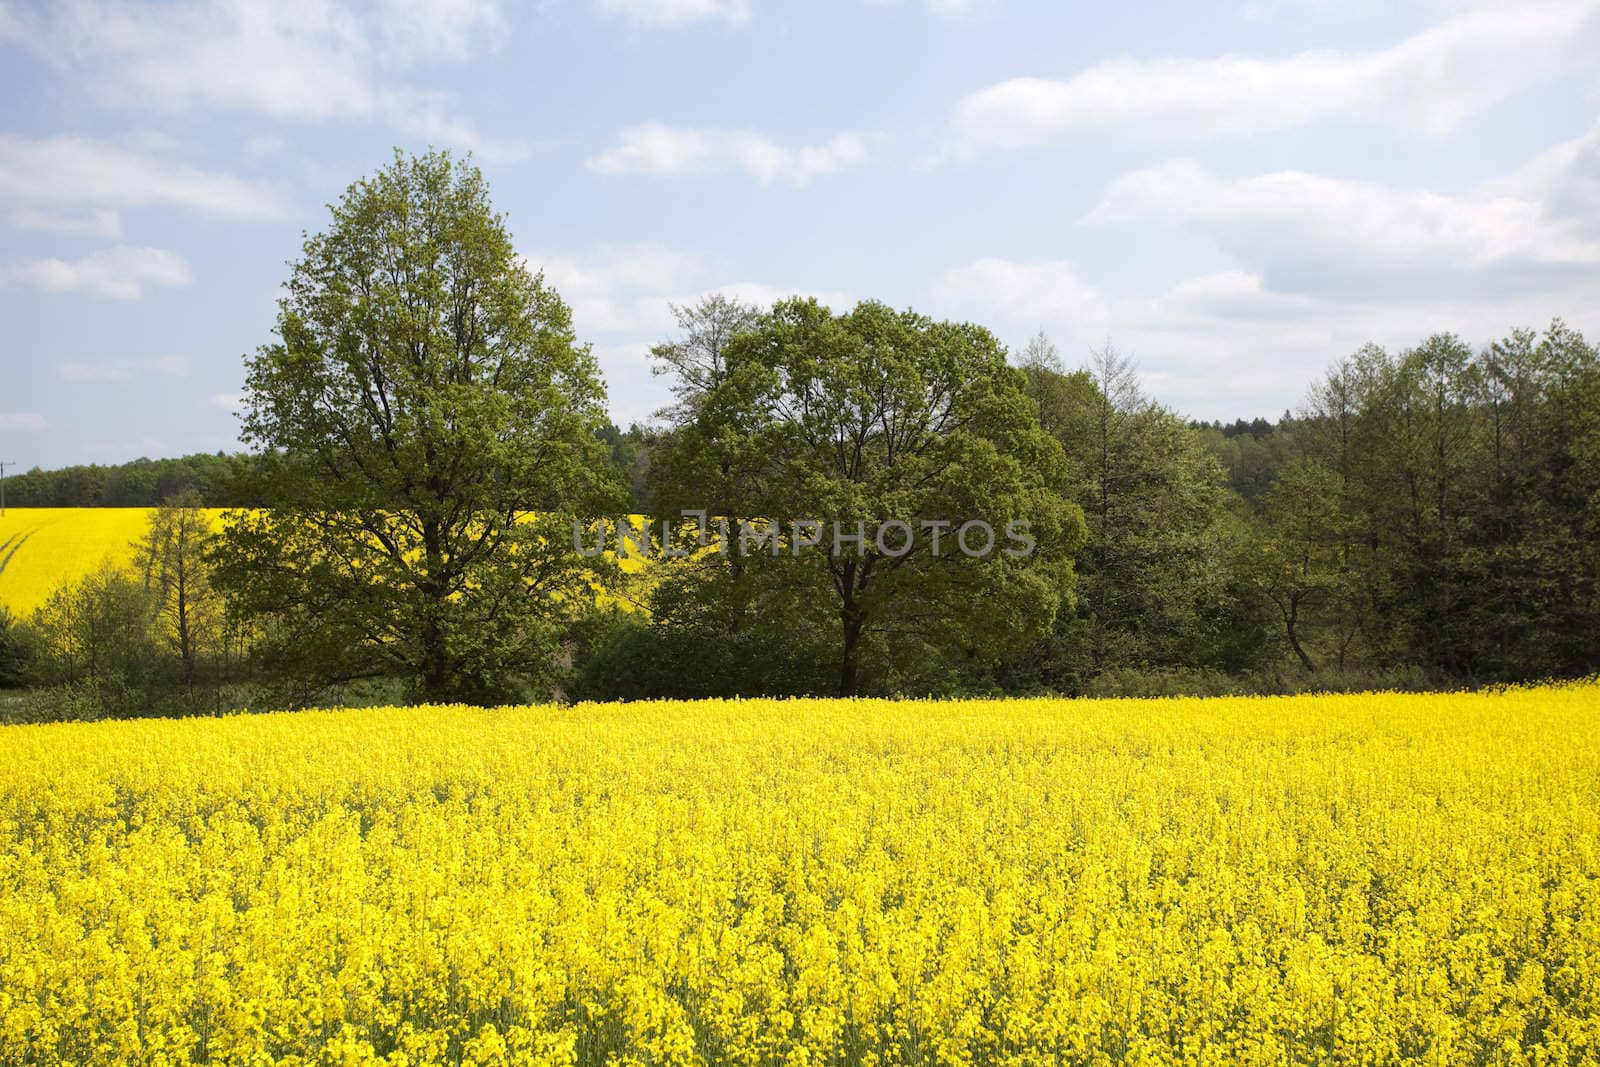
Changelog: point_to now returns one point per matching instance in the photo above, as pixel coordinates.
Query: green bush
(16, 651)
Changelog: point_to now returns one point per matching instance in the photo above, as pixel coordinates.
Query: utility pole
(3, 464)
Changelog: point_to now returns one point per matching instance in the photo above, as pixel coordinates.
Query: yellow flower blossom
(1366, 879)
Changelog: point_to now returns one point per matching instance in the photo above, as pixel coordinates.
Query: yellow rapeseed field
(44, 548)
(1356, 879)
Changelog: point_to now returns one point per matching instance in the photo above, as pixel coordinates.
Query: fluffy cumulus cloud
(1565, 179)
(630, 290)
(80, 185)
(438, 30)
(1050, 291)
(119, 273)
(1320, 266)
(302, 60)
(1311, 233)
(621, 289)
(1224, 344)
(656, 148)
(1230, 295)
(1430, 82)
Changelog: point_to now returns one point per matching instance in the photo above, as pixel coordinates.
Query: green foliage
(1153, 576)
(1301, 562)
(631, 452)
(432, 424)
(428, 429)
(16, 651)
(620, 655)
(149, 640)
(870, 417)
(217, 480)
(1251, 459)
(191, 623)
(1450, 525)
(95, 643)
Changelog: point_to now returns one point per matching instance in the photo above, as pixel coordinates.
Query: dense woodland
(218, 480)
(1423, 518)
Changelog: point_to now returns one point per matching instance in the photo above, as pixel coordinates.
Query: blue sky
(1236, 194)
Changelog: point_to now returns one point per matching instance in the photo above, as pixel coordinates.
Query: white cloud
(670, 13)
(1311, 233)
(228, 402)
(1430, 82)
(120, 370)
(1378, 221)
(1564, 177)
(95, 222)
(413, 31)
(302, 60)
(656, 148)
(1231, 294)
(79, 184)
(22, 421)
(430, 116)
(119, 273)
(629, 290)
(1224, 344)
(1025, 292)
(622, 298)
(1256, 352)
(621, 289)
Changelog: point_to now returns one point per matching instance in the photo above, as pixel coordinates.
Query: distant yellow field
(43, 548)
(1368, 879)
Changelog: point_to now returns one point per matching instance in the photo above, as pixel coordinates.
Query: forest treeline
(1427, 517)
(213, 479)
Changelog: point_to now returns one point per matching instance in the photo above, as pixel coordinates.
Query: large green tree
(897, 423)
(431, 423)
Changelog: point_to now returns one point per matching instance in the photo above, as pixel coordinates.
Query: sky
(1235, 195)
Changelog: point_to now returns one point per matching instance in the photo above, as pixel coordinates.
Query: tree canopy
(892, 430)
(433, 423)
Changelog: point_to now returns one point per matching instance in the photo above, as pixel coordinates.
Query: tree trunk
(1290, 620)
(850, 617)
(435, 676)
(435, 682)
(185, 640)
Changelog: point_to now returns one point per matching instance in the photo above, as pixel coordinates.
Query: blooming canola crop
(42, 549)
(1361, 879)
